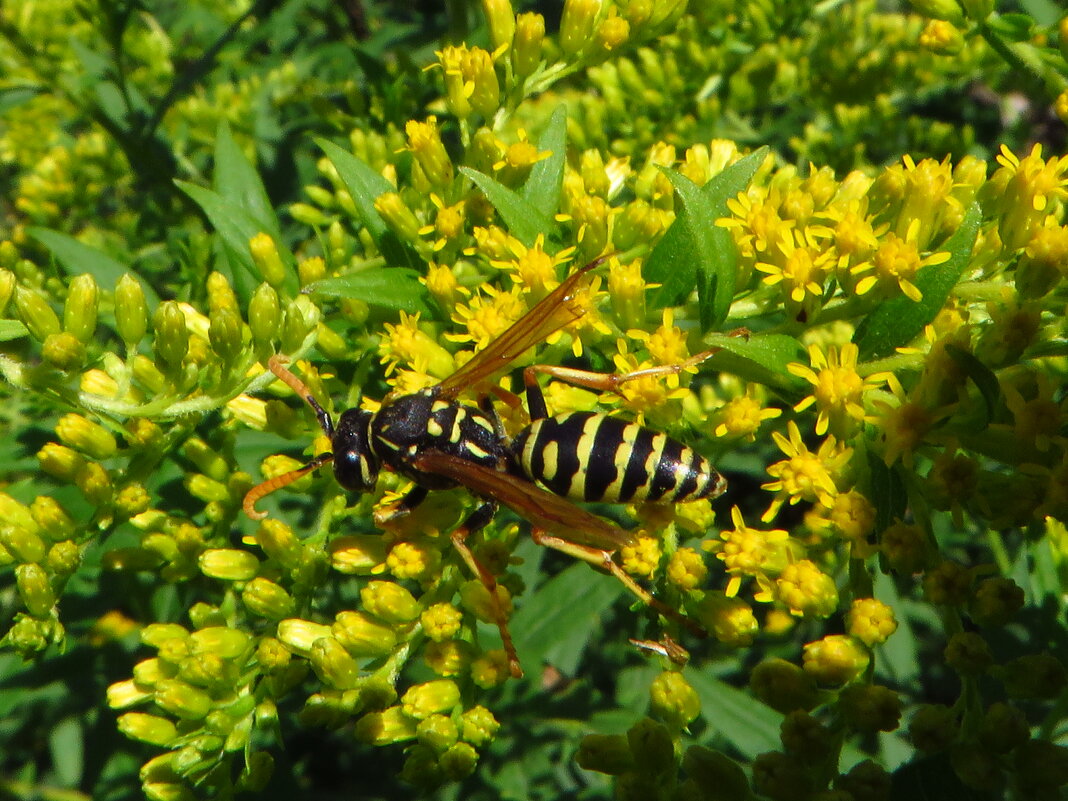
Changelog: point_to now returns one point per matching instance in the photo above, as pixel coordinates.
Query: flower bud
(221, 640)
(267, 259)
(205, 489)
(131, 313)
(948, 10)
(182, 700)
(674, 700)
(968, 653)
(933, 728)
(63, 559)
(88, 437)
(24, 543)
(478, 726)
(80, 308)
(836, 659)
(527, 43)
(441, 621)
(59, 461)
(225, 335)
(389, 601)
(265, 598)
(870, 621)
(264, 314)
(357, 554)
(458, 762)
(64, 351)
(35, 589)
(501, 20)
(870, 708)
(398, 216)
(423, 700)
(299, 635)
(151, 729)
(172, 336)
(279, 543)
(424, 142)
(386, 727)
(334, 664)
(1033, 676)
(361, 636)
(437, 732)
(35, 313)
(448, 658)
(577, 24)
(95, 484)
(7, 288)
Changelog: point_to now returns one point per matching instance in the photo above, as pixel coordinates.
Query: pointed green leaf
(894, 322)
(12, 329)
(543, 185)
(238, 182)
(77, 258)
(235, 228)
(758, 357)
(365, 186)
(523, 220)
(553, 624)
(694, 252)
(980, 374)
(735, 715)
(389, 287)
(888, 492)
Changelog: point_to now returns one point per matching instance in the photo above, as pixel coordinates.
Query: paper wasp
(439, 443)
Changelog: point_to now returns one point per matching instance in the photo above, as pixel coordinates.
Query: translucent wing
(550, 314)
(543, 509)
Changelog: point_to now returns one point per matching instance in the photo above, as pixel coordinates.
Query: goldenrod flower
(904, 425)
(667, 344)
(806, 590)
(741, 416)
(839, 389)
(801, 264)
(756, 221)
(805, 476)
(534, 268)
(896, 263)
(746, 551)
(641, 557)
(487, 316)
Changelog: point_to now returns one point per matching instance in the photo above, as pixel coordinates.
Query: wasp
(438, 442)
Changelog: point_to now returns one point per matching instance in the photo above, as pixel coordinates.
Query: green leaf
(543, 185)
(888, 492)
(388, 287)
(237, 182)
(523, 219)
(983, 376)
(758, 357)
(894, 322)
(12, 329)
(365, 186)
(735, 715)
(77, 258)
(554, 623)
(235, 228)
(14, 96)
(694, 252)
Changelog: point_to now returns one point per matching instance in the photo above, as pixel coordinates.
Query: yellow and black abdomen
(585, 456)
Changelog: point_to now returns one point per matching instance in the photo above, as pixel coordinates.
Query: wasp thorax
(355, 464)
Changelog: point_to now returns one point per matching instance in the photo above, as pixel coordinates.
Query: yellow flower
(756, 221)
(533, 267)
(801, 264)
(487, 316)
(839, 388)
(406, 343)
(667, 344)
(742, 416)
(896, 263)
(805, 476)
(746, 551)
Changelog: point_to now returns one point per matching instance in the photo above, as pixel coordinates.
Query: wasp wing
(543, 509)
(549, 315)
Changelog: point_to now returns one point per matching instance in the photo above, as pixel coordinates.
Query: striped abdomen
(586, 456)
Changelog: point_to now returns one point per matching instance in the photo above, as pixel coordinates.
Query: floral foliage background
(855, 210)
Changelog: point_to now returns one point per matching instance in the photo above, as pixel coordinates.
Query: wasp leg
(415, 496)
(598, 557)
(604, 382)
(477, 520)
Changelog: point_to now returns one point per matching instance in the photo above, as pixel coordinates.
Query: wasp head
(355, 464)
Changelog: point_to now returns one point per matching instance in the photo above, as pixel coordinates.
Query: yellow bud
(334, 664)
(182, 700)
(90, 438)
(385, 728)
(150, 729)
(527, 43)
(423, 700)
(501, 20)
(362, 636)
(389, 601)
(577, 24)
(79, 310)
(299, 635)
(266, 257)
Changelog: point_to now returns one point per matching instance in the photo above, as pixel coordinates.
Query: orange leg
(477, 520)
(598, 557)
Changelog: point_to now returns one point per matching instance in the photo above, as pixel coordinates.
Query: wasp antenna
(277, 366)
(253, 496)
